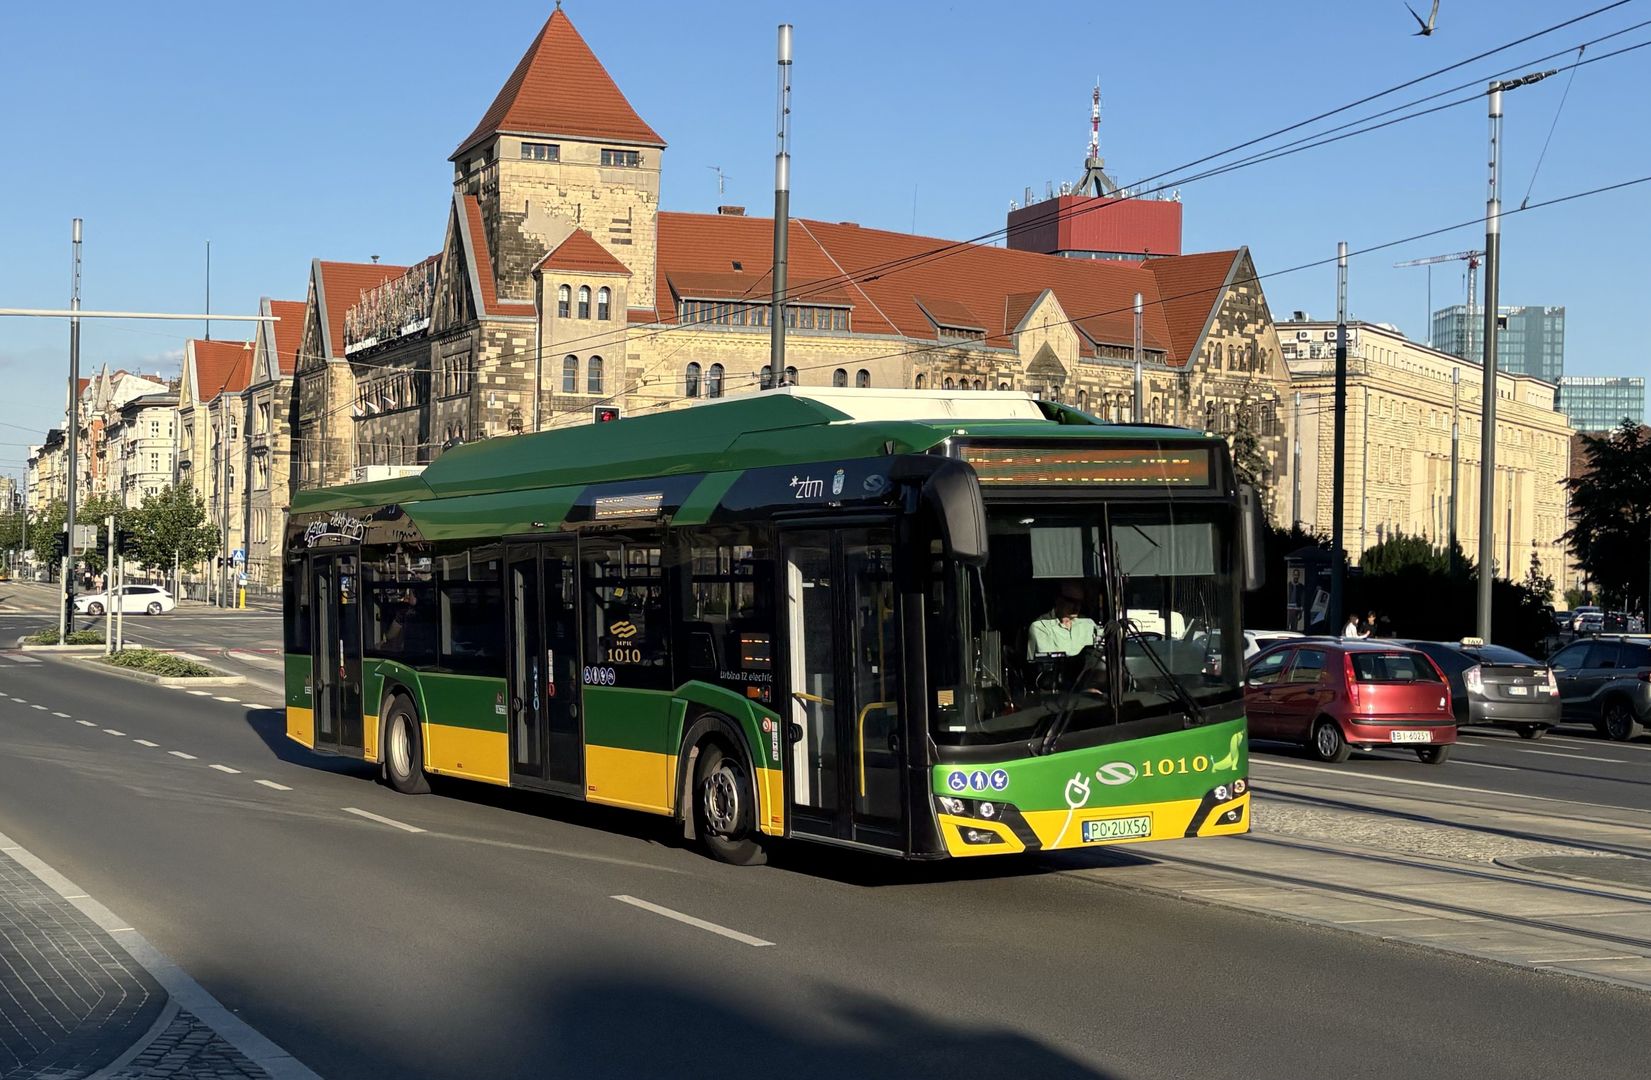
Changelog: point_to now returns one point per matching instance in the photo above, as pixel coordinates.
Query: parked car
(1606, 682)
(1490, 684)
(1587, 619)
(1256, 641)
(1333, 696)
(149, 599)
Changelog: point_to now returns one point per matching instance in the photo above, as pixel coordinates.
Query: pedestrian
(1353, 628)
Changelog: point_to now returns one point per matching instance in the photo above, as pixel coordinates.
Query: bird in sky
(1426, 27)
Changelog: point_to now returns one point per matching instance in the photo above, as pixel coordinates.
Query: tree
(1611, 514)
(171, 524)
(1249, 460)
(1401, 552)
(1539, 583)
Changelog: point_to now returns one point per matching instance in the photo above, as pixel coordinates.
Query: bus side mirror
(1251, 546)
(949, 493)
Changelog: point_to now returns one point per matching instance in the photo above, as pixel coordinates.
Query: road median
(162, 669)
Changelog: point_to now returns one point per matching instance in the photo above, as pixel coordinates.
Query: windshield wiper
(1069, 704)
(1180, 694)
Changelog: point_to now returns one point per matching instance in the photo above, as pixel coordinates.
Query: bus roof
(790, 425)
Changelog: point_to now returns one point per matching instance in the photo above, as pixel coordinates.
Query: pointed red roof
(341, 286)
(561, 88)
(288, 333)
(580, 252)
(221, 367)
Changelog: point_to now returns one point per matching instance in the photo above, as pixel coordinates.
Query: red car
(1332, 696)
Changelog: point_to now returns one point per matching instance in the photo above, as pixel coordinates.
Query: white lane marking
(370, 816)
(1571, 740)
(85, 723)
(19, 659)
(1406, 918)
(200, 693)
(181, 754)
(112, 731)
(735, 935)
(1585, 959)
(250, 705)
(42, 708)
(225, 769)
(1486, 765)
(232, 701)
(273, 785)
(1450, 787)
(61, 715)
(145, 742)
(20, 701)
(1570, 756)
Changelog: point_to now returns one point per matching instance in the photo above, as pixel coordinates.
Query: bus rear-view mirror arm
(1251, 545)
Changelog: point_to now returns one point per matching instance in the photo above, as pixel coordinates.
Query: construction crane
(1472, 258)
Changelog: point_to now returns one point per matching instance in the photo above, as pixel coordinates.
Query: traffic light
(60, 546)
(604, 414)
(126, 542)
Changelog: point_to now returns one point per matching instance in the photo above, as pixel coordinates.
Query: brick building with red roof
(561, 285)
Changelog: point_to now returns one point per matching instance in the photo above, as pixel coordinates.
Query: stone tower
(561, 149)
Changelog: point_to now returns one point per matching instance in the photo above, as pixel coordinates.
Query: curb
(59, 648)
(168, 680)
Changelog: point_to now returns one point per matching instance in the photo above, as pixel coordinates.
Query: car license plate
(1123, 828)
(1412, 736)
(1519, 691)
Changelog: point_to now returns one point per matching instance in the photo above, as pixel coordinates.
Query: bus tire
(404, 748)
(724, 814)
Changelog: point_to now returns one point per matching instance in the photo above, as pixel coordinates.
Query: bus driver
(1062, 631)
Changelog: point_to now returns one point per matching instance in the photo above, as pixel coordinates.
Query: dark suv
(1606, 682)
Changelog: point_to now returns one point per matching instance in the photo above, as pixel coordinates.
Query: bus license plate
(1412, 736)
(1124, 828)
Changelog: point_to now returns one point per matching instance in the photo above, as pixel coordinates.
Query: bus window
(399, 590)
(627, 626)
(296, 585)
(471, 636)
(726, 603)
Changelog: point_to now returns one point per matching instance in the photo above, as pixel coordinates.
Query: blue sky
(320, 129)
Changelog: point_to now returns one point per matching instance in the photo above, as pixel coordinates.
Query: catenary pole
(1487, 382)
(66, 620)
(1137, 414)
(1338, 469)
(782, 211)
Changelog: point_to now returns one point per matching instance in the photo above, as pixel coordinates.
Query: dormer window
(624, 159)
(541, 151)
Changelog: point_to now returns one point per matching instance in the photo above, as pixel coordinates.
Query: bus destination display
(1158, 466)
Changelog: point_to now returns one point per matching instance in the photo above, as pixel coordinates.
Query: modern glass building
(1602, 402)
(1531, 341)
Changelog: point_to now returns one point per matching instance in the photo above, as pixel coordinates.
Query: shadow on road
(270, 725)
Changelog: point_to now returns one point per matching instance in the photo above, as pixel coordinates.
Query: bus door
(336, 662)
(546, 726)
(843, 668)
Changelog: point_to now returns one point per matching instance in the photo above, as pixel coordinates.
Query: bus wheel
(723, 814)
(404, 750)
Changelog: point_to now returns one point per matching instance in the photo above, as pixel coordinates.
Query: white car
(147, 599)
(1256, 640)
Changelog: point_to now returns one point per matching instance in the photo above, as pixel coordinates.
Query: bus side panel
(629, 759)
(464, 725)
(372, 698)
(300, 706)
(762, 743)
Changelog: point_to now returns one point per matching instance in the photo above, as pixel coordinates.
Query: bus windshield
(1085, 616)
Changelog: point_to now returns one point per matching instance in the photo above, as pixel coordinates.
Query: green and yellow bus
(917, 623)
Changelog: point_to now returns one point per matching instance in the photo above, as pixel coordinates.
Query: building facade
(142, 448)
(561, 286)
(1529, 341)
(1403, 401)
(1602, 402)
(211, 445)
(267, 466)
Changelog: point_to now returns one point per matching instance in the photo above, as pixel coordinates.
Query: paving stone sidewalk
(74, 1003)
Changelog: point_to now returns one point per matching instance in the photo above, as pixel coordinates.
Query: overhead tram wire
(1209, 291)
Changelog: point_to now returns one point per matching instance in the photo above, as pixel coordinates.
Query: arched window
(690, 381)
(948, 384)
(570, 374)
(840, 378)
(862, 378)
(584, 301)
(979, 385)
(593, 375)
(918, 383)
(564, 302)
(790, 377)
(765, 377)
(1209, 416)
(713, 381)
(1083, 400)
(603, 300)
(1003, 386)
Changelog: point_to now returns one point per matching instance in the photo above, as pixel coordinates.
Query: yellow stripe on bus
(369, 739)
(301, 725)
(467, 752)
(637, 779)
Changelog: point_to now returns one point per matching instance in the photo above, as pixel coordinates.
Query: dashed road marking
(181, 754)
(232, 701)
(370, 816)
(85, 723)
(735, 935)
(145, 742)
(112, 731)
(200, 693)
(62, 715)
(271, 784)
(250, 705)
(20, 701)
(225, 769)
(1570, 756)
(1487, 765)
(42, 708)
